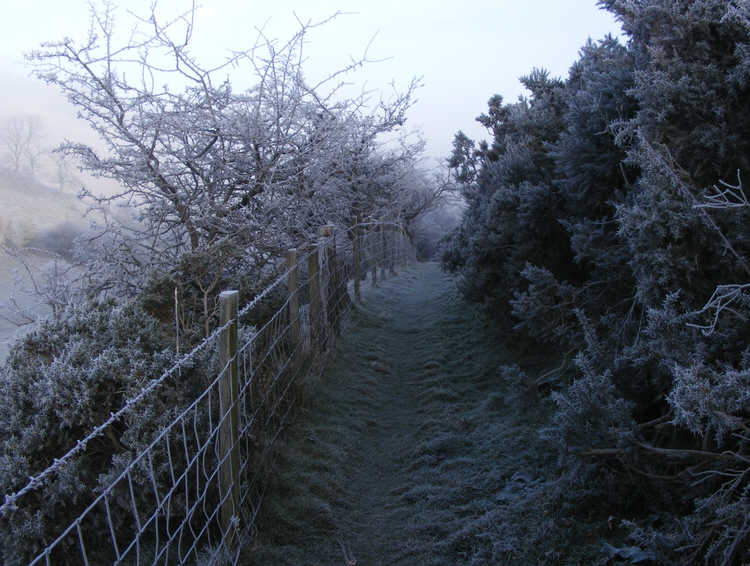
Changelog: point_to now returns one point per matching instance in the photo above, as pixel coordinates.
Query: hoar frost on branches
(205, 167)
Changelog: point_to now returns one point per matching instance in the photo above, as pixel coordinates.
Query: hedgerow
(602, 216)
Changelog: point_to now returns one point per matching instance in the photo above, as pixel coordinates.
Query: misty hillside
(36, 215)
(28, 205)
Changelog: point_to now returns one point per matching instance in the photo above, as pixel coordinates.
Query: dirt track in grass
(406, 448)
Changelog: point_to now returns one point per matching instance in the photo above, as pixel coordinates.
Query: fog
(463, 53)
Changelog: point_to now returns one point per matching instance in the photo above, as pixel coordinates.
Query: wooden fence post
(329, 286)
(229, 411)
(403, 247)
(397, 246)
(393, 252)
(313, 274)
(355, 242)
(374, 253)
(383, 253)
(294, 321)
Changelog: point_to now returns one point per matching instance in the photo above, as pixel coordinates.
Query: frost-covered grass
(410, 450)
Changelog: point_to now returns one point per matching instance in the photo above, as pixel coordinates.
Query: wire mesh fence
(190, 493)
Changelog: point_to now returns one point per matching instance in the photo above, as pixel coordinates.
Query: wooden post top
(228, 295)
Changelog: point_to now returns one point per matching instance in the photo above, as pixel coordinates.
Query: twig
(657, 421)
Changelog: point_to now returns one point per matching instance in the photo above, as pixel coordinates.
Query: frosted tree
(205, 167)
(20, 136)
(216, 182)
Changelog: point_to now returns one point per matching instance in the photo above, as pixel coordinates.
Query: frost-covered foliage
(66, 378)
(217, 184)
(512, 198)
(206, 169)
(602, 217)
(59, 382)
(590, 413)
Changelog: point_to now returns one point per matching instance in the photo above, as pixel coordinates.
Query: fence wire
(191, 493)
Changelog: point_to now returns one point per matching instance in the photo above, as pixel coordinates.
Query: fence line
(192, 492)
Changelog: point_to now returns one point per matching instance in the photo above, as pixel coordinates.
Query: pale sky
(464, 51)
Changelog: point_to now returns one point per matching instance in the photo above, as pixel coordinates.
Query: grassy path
(406, 450)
